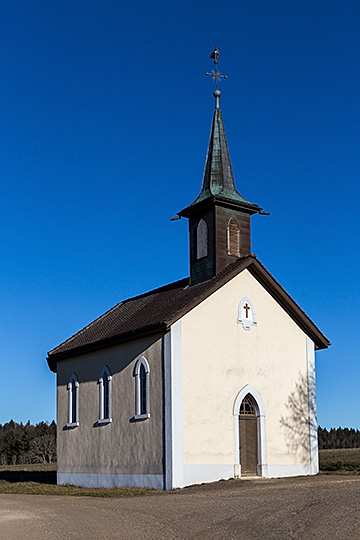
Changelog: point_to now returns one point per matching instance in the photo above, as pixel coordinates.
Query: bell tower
(219, 218)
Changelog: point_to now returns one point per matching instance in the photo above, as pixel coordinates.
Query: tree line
(27, 443)
(338, 438)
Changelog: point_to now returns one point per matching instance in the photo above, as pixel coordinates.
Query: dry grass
(40, 479)
(340, 461)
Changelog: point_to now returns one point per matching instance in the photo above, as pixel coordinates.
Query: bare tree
(24, 458)
(43, 449)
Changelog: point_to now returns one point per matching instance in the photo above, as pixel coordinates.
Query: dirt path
(324, 507)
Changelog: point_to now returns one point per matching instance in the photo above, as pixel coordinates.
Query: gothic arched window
(247, 406)
(73, 401)
(233, 238)
(105, 396)
(142, 398)
(201, 239)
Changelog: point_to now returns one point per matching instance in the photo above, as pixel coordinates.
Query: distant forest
(21, 443)
(338, 438)
(25, 443)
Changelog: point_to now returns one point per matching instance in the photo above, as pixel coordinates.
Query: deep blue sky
(105, 119)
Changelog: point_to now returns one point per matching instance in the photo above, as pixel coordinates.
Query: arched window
(105, 396)
(142, 398)
(73, 401)
(233, 238)
(247, 406)
(143, 393)
(201, 239)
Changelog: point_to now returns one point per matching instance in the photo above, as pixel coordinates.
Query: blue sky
(105, 118)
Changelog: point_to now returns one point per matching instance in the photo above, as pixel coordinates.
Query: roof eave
(255, 268)
(242, 206)
(277, 292)
(217, 285)
(289, 305)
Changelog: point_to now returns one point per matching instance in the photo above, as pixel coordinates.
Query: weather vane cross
(215, 74)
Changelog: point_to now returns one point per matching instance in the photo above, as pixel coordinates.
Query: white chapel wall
(219, 358)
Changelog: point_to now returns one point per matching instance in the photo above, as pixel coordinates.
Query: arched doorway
(257, 401)
(248, 436)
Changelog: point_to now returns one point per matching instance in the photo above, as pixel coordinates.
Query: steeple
(218, 180)
(219, 218)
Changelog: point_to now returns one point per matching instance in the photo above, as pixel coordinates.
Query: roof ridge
(204, 285)
(163, 288)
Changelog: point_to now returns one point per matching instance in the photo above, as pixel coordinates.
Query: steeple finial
(217, 76)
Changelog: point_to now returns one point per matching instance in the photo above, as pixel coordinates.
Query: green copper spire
(218, 175)
(218, 180)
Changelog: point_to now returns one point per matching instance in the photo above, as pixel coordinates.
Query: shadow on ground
(42, 477)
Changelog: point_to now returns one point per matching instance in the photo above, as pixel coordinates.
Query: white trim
(313, 434)
(104, 421)
(141, 416)
(142, 360)
(192, 474)
(167, 410)
(260, 414)
(279, 471)
(201, 473)
(105, 372)
(111, 480)
(70, 423)
(247, 323)
(177, 406)
(138, 414)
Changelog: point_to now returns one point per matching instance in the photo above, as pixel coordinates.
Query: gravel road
(322, 507)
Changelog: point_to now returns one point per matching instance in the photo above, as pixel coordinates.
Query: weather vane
(215, 74)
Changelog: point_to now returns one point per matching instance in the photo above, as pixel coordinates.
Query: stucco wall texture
(219, 358)
(122, 446)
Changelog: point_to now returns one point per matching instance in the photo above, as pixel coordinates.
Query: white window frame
(73, 382)
(141, 362)
(105, 373)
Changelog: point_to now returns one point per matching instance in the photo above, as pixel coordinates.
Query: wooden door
(248, 437)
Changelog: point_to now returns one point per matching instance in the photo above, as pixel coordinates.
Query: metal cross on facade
(215, 74)
(247, 309)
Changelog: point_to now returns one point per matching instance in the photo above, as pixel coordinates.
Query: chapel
(210, 377)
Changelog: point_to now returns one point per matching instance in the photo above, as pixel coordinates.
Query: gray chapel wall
(123, 446)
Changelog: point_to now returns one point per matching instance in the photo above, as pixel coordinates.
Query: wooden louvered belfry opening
(233, 233)
(248, 436)
(202, 239)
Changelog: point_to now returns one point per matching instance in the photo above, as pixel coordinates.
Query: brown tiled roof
(156, 310)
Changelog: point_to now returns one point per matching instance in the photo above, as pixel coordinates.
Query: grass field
(40, 479)
(340, 461)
